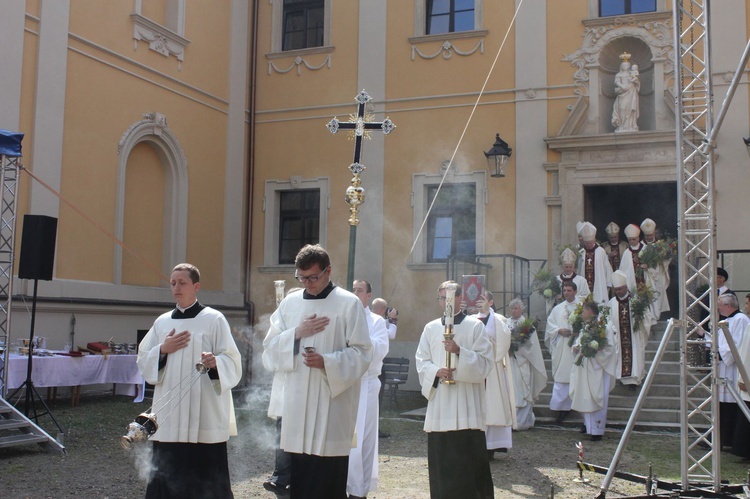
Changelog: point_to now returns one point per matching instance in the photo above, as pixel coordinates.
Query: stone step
(661, 407)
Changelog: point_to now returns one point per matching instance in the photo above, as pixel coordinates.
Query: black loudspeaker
(38, 247)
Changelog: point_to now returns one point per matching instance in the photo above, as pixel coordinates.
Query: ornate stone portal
(593, 146)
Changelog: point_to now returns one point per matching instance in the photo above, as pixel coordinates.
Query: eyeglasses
(311, 279)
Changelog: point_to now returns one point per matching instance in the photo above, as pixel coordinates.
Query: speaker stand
(31, 395)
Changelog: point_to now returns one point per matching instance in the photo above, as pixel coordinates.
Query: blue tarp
(10, 143)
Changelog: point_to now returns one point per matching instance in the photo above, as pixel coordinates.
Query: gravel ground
(95, 466)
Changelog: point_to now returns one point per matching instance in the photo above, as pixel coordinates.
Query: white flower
(548, 293)
(594, 344)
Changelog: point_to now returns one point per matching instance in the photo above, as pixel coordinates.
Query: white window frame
(277, 31)
(420, 184)
(271, 206)
(420, 19)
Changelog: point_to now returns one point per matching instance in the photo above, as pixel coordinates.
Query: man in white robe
(737, 323)
(320, 339)
(529, 371)
(381, 308)
(661, 272)
(363, 459)
(594, 265)
(557, 338)
(499, 389)
(591, 382)
(456, 446)
(568, 262)
(195, 418)
(631, 351)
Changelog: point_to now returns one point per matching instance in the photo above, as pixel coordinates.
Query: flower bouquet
(546, 284)
(576, 321)
(656, 253)
(520, 334)
(643, 297)
(593, 336)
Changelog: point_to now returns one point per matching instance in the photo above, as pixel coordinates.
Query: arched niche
(609, 65)
(154, 131)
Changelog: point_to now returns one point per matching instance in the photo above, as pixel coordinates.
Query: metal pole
(637, 409)
(352, 249)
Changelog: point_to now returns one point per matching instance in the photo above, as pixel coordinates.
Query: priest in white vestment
(455, 419)
(591, 382)
(557, 339)
(637, 273)
(529, 371)
(741, 434)
(568, 260)
(594, 265)
(195, 418)
(363, 459)
(320, 339)
(631, 349)
(614, 246)
(661, 271)
(499, 390)
(737, 323)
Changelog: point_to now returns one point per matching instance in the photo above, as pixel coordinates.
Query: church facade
(198, 132)
(550, 94)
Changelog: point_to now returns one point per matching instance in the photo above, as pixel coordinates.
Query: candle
(450, 298)
(279, 285)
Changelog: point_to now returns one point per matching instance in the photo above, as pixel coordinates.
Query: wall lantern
(497, 157)
(747, 144)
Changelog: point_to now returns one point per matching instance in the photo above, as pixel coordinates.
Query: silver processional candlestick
(450, 300)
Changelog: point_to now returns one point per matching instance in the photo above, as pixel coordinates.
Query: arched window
(151, 205)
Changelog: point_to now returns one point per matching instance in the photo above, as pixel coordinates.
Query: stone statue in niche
(627, 84)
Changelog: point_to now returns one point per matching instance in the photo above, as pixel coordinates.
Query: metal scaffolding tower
(10, 167)
(699, 380)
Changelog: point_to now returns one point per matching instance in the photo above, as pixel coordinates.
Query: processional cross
(355, 193)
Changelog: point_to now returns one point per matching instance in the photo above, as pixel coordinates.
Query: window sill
(300, 52)
(457, 35)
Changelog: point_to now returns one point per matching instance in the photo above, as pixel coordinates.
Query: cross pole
(360, 125)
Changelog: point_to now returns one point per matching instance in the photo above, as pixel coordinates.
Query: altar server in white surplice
(363, 459)
(594, 265)
(557, 338)
(456, 446)
(631, 342)
(568, 263)
(320, 339)
(529, 371)
(499, 389)
(592, 380)
(195, 419)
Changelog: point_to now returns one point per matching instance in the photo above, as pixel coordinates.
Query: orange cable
(114, 238)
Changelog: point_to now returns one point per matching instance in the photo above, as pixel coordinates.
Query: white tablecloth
(61, 370)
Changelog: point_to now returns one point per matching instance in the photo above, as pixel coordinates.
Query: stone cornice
(612, 140)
